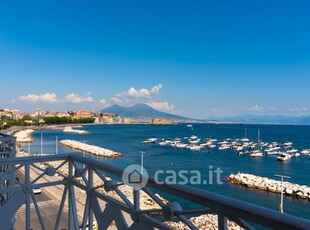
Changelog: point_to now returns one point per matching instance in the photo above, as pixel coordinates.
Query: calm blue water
(127, 139)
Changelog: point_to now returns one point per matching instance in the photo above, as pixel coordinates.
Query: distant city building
(38, 114)
(109, 118)
(57, 114)
(83, 114)
(5, 115)
(158, 121)
(126, 120)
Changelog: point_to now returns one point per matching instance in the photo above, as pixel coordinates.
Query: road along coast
(90, 149)
(270, 185)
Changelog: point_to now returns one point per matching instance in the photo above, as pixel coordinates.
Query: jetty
(90, 149)
(69, 129)
(24, 136)
(270, 185)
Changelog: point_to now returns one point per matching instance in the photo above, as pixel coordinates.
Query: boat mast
(258, 139)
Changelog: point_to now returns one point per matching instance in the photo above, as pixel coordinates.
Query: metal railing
(110, 205)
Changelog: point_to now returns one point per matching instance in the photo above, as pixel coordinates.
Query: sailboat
(258, 152)
(245, 139)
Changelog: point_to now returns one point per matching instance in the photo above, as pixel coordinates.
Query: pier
(270, 185)
(90, 149)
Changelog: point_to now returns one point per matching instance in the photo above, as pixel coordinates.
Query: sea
(127, 139)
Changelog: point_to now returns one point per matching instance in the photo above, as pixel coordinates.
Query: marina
(128, 139)
(240, 146)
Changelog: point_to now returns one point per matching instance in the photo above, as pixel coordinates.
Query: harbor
(128, 140)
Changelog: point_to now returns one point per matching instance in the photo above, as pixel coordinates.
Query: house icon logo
(135, 176)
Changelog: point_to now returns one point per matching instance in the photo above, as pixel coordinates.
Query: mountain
(265, 119)
(141, 111)
(117, 109)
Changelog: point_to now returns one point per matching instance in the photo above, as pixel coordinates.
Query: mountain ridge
(141, 111)
(265, 119)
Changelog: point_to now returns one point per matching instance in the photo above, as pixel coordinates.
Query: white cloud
(103, 102)
(156, 88)
(116, 100)
(47, 98)
(132, 92)
(164, 106)
(142, 93)
(256, 108)
(298, 110)
(74, 98)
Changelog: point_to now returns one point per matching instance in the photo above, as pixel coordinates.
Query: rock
(289, 191)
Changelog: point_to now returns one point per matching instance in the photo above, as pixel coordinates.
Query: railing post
(136, 199)
(27, 186)
(90, 186)
(70, 213)
(222, 222)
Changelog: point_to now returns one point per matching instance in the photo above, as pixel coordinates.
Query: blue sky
(191, 58)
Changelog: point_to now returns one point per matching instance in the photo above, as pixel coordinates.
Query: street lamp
(281, 201)
(142, 161)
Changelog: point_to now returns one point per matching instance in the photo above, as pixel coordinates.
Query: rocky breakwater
(69, 129)
(90, 149)
(24, 136)
(208, 222)
(270, 185)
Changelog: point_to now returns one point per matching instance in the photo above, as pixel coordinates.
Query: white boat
(224, 147)
(305, 151)
(150, 141)
(284, 157)
(180, 145)
(292, 151)
(195, 141)
(273, 152)
(193, 137)
(256, 153)
(195, 147)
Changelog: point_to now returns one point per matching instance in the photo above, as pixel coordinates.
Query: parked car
(36, 191)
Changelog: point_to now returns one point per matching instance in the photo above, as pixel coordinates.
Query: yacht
(150, 141)
(305, 151)
(284, 157)
(256, 153)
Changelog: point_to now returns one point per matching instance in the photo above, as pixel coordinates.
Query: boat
(224, 147)
(150, 141)
(284, 157)
(305, 151)
(194, 147)
(258, 152)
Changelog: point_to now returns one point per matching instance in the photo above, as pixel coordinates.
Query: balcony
(88, 194)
